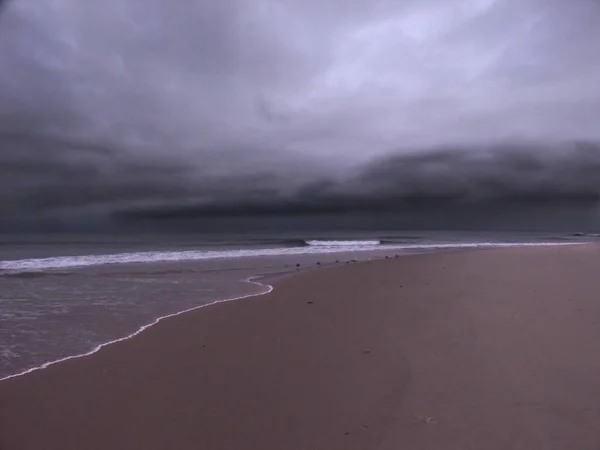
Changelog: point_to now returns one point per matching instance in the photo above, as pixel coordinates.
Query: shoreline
(141, 329)
(468, 349)
(379, 254)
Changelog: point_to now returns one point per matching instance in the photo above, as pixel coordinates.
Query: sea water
(65, 295)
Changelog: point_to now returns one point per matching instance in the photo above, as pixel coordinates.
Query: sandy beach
(491, 349)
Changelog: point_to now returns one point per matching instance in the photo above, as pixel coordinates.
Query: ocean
(63, 295)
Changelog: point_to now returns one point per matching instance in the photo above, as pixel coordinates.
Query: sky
(147, 107)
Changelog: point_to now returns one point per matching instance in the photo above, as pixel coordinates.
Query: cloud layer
(124, 106)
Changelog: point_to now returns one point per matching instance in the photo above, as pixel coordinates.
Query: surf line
(99, 347)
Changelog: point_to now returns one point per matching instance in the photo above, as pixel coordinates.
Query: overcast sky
(221, 88)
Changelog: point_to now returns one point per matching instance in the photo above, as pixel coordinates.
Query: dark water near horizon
(65, 294)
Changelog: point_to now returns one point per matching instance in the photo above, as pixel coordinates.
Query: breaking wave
(349, 243)
(316, 247)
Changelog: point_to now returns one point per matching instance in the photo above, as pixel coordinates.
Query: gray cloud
(132, 108)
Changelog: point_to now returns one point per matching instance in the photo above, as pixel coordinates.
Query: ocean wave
(61, 262)
(291, 242)
(347, 243)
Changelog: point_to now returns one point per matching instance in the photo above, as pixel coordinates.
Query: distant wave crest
(334, 243)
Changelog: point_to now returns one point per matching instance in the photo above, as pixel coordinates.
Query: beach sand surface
(490, 349)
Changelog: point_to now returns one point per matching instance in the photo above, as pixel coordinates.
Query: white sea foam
(268, 288)
(323, 243)
(318, 247)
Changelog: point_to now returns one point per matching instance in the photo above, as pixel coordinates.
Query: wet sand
(489, 349)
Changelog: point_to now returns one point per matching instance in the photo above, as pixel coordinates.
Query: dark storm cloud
(462, 177)
(64, 185)
(132, 108)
